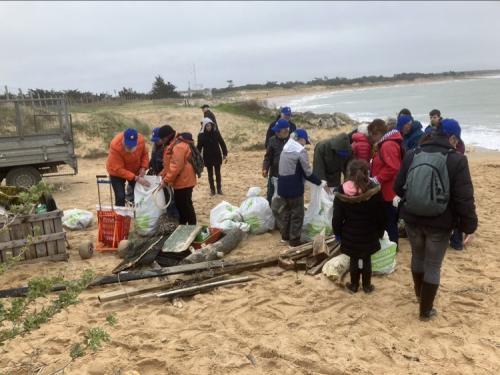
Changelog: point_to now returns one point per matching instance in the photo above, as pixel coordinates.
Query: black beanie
(166, 131)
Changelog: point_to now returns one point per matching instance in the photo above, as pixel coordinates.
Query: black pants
(118, 185)
(184, 203)
(210, 170)
(356, 271)
(291, 219)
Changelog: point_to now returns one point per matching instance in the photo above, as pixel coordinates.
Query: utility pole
(194, 73)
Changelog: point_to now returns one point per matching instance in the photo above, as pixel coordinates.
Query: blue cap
(403, 120)
(451, 127)
(130, 137)
(287, 111)
(301, 133)
(280, 124)
(155, 137)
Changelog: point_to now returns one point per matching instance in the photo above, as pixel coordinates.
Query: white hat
(206, 121)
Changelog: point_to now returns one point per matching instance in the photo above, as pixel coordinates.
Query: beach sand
(277, 324)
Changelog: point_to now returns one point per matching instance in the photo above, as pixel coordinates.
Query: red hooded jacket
(361, 147)
(387, 162)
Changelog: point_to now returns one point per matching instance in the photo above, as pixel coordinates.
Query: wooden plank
(61, 244)
(36, 240)
(51, 258)
(181, 239)
(34, 217)
(48, 228)
(4, 237)
(202, 288)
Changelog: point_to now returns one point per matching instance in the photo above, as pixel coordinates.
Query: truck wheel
(23, 177)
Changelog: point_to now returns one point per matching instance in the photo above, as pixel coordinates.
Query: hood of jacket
(360, 137)
(293, 146)
(374, 189)
(391, 135)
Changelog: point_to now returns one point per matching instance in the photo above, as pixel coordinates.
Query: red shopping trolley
(113, 222)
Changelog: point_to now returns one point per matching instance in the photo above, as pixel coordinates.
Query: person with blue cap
(410, 130)
(127, 162)
(437, 194)
(160, 137)
(285, 114)
(294, 168)
(330, 159)
(270, 166)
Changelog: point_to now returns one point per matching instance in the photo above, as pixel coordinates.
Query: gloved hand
(395, 201)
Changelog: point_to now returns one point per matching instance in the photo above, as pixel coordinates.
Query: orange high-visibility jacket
(125, 164)
(177, 169)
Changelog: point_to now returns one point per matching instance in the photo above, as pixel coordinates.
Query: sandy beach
(277, 324)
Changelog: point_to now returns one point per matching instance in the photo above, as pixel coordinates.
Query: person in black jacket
(359, 222)
(285, 114)
(429, 235)
(210, 143)
(270, 166)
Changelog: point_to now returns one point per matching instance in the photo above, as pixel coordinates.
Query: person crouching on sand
(436, 187)
(294, 167)
(359, 222)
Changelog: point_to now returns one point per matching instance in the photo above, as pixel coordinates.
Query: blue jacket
(294, 169)
(411, 140)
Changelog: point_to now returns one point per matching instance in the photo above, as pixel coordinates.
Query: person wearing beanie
(385, 167)
(361, 146)
(210, 144)
(294, 168)
(270, 165)
(127, 163)
(285, 114)
(331, 157)
(359, 222)
(429, 234)
(179, 173)
(410, 130)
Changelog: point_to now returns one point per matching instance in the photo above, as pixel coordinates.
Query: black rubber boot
(427, 295)
(219, 191)
(418, 278)
(353, 286)
(367, 282)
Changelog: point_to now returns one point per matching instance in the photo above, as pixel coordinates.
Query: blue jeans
(391, 227)
(457, 239)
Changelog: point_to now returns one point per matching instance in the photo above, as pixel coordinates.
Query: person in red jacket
(361, 146)
(128, 161)
(385, 167)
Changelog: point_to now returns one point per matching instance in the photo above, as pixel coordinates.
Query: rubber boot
(427, 295)
(367, 282)
(353, 286)
(418, 278)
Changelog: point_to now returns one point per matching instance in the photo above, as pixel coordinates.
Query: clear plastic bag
(319, 214)
(225, 216)
(75, 219)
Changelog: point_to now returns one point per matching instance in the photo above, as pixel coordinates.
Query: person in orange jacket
(128, 161)
(179, 173)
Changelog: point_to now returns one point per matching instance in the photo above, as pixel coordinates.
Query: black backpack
(196, 160)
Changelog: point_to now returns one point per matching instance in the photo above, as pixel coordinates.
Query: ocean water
(474, 103)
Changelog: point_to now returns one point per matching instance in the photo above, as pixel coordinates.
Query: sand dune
(286, 324)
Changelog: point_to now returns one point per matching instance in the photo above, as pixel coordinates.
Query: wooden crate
(43, 232)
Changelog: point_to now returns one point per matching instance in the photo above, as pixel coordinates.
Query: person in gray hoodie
(294, 168)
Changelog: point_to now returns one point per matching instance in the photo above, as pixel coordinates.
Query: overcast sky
(105, 46)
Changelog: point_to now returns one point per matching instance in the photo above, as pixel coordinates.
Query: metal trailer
(36, 139)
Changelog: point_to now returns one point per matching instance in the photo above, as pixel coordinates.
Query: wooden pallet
(40, 236)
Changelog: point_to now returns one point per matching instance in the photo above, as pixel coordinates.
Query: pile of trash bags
(254, 214)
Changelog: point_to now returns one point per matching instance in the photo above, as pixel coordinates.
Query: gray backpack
(427, 188)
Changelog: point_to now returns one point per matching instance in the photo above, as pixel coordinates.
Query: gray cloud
(105, 46)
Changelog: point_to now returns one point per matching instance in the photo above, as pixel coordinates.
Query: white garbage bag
(225, 216)
(336, 267)
(384, 260)
(149, 205)
(319, 214)
(76, 219)
(256, 212)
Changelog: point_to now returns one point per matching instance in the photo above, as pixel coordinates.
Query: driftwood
(221, 265)
(189, 291)
(312, 271)
(130, 263)
(126, 292)
(304, 250)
